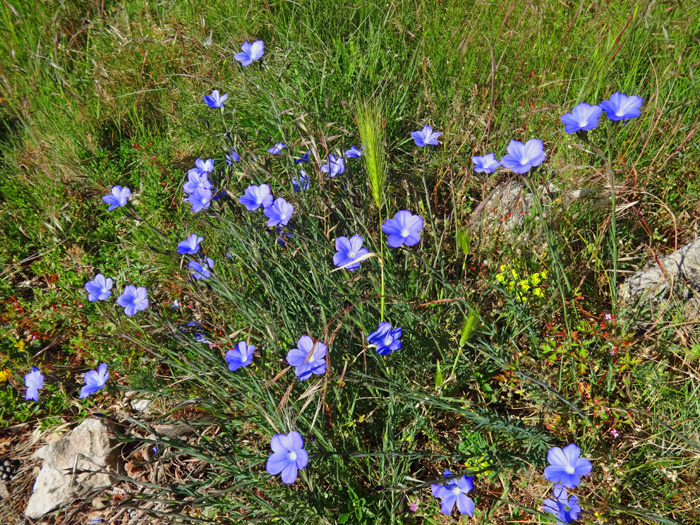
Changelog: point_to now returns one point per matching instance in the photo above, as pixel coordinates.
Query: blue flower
(333, 166)
(256, 196)
(195, 180)
(385, 338)
(175, 305)
(582, 117)
(354, 152)
(200, 199)
(425, 136)
(288, 456)
(251, 52)
(215, 101)
(279, 213)
(621, 107)
(200, 268)
(308, 358)
(303, 158)
(234, 157)
(564, 508)
(522, 157)
(94, 380)
(277, 148)
(34, 381)
(133, 299)
(485, 164)
(455, 491)
(566, 467)
(240, 356)
(200, 338)
(302, 182)
(404, 228)
(348, 251)
(117, 198)
(98, 288)
(203, 166)
(189, 245)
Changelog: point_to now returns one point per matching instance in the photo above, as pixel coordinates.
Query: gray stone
(681, 273)
(73, 468)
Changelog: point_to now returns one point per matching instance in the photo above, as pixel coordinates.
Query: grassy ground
(96, 94)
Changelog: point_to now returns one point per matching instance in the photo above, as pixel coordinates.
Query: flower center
(456, 491)
(351, 255)
(405, 232)
(104, 290)
(388, 340)
(292, 455)
(524, 161)
(569, 469)
(311, 358)
(137, 300)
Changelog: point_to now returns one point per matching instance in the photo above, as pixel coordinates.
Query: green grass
(95, 95)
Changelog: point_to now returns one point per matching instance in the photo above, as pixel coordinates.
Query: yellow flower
(524, 285)
(537, 292)
(5, 375)
(500, 278)
(535, 278)
(515, 274)
(543, 273)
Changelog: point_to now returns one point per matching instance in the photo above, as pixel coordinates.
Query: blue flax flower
(118, 197)
(200, 199)
(566, 467)
(348, 251)
(302, 182)
(277, 148)
(288, 456)
(34, 381)
(385, 338)
(133, 299)
(486, 164)
(189, 245)
(240, 356)
(354, 152)
(279, 213)
(404, 228)
(621, 107)
(234, 157)
(565, 508)
(215, 101)
(308, 358)
(201, 338)
(256, 196)
(333, 166)
(98, 288)
(522, 157)
(94, 381)
(195, 180)
(200, 269)
(202, 166)
(250, 52)
(425, 136)
(583, 117)
(455, 491)
(304, 158)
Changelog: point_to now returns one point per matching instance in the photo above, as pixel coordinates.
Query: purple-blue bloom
(582, 117)
(94, 380)
(189, 245)
(565, 508)
(234, 157)
(621, 107)
(240, 356)
(354, 152)
(98, 288)
(202, 166)
(425, 136)
(34, 381)
(385, 338)
(455, 491)
(256, 196)
(288, 456)
(200, 199)
(348, 251)
(250, 52)
(404, 228)
(486, 164)
(215, 101)
(279, 213)
(522, 157)
(200, 338)
(302, 182)
(308, 358)
(277, 148)
(303, 158)
(196, 179)
(133, 299)
(118, 197)
(566, 467)
(200, 268)
(333, 166)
